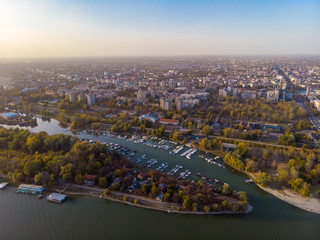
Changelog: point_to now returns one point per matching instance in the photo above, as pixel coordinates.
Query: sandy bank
(310, 204)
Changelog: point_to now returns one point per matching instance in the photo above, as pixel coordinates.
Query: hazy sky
(76, 28)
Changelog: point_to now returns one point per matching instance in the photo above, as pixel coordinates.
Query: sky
(96, 28)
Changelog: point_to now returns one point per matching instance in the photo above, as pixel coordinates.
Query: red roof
(168, 120)
(89, 177)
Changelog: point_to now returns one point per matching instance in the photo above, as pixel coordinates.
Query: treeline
(251, 110)
(298, 169)
(246, 135)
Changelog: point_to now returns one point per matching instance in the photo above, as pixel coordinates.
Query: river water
(24, 217)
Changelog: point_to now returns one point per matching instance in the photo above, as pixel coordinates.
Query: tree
(106, 192)
(39, 178)
(304, 191)
(67, 172)
(251, 166)
(167, 197)
(206, 208)
(204, 143)
(79, 178)
(225, 189)
(216, 207)
(31, 167)
(195, 207)
(145, 189)
(262, 178)
(243, 196)
(186, 202)
(296, 184)
(175, 136)
(282, 173)
(207, 130)
(102, 182)
(34, 143)
(154, 190)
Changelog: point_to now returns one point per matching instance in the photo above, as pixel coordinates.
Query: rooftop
(9, 114)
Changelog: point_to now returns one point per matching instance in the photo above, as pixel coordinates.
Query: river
(24, 217)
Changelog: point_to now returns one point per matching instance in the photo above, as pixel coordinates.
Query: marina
(270, 219)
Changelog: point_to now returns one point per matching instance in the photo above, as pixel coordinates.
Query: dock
(30, 189)
(56, 197)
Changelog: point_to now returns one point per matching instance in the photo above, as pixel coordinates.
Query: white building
(308, 91)
(273, 95)
(223, 92)
(317, 104)
(141, 95)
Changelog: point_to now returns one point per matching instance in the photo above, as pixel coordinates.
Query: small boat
(249, 181)
(39, 196)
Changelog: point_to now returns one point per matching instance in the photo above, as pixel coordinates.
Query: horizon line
(159, 56)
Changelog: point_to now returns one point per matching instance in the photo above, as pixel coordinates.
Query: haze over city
(168, 119)
(156, 28)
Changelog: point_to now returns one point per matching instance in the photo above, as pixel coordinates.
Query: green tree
(102, 182)
(225, 189)
(206, 208)
(67, 172)
(79, 178)
(195, 207)
(282, 172)
(154, 190)
(186, 202)
(263, 178)
(106, 192)
(38, 179)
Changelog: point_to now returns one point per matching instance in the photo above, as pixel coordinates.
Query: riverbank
(310, 204)
(143, 202)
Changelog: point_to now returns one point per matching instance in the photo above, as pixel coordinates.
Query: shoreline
(310, 204)
(98, 193)
(286, 195)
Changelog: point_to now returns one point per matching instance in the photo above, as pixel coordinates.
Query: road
(302, 101)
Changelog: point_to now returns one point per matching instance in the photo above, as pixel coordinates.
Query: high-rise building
(82, 98)
(236, 92)
(90, 99)
(141, 95)
(168, 104)
(172, 84)
(73, 97)
(223, 92)
(162, 103)
(179, 104)
(308, 91)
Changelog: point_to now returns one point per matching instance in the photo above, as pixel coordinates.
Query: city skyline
(150, 28)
